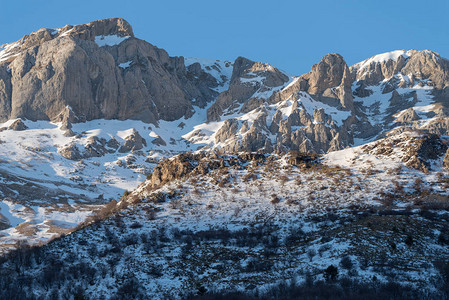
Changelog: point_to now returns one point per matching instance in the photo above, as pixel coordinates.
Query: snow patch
(379, 58)
(125, 64)
(110, 40)
(6, 209)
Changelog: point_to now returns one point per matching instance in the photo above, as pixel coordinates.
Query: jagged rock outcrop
(446, 160)
(95, 147)
(71, 152)
(428, 65)
(159, 141)
(438, 126)
(101, 70)
(417, 149)
(133, 142)
(66, 118)
(228, 130)
(416, 83)
(69, 133)
(248, 77)
(168, 170)
(407, 116)
(112, 145)
(379, 67)
(18, 125)
(412, 65)
(184, 164)
(329, 79)
(425, 149)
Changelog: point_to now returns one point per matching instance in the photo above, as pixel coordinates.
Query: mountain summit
(99, 70)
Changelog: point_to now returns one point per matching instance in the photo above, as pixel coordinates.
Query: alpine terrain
(130, 174)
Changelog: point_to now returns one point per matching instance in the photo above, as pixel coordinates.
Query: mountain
(352, 224)
(172, 176)
(89, 109)
(100, 70)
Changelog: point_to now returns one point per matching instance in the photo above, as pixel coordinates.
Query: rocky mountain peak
(100, 71)
(428, 65)
(381, 66)
(241, 65)
(104, 27)
(328, 73)
(247, 69)
(329, 81)
(249, 81)
(423, 65)
(100, 28)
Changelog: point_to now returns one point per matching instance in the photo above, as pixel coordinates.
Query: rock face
(421, 65)
(257, 87)
(446, 160)
(407, 116)
(248, 77)
(330, 78)
(413, 79)
(99, 70)
(377, 68)
(425, 149)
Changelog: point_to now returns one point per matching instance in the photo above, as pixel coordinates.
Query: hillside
(136, 174)
(252, 222)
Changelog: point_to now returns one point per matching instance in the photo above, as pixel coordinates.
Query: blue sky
(291, 35)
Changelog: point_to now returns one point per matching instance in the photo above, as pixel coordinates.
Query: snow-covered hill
(250, 222)
(46, 193)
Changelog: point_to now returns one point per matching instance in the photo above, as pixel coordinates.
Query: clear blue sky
(291, 35)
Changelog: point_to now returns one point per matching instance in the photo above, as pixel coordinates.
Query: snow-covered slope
(383, 57)
(96, 174)
(254, 223)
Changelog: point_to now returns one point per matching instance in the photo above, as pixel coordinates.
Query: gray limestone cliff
(99, 70)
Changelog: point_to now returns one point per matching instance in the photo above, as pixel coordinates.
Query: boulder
(133, 142)
(159, 141)
(18, 125)
(95, 147)
(112, 145)
(407, 116)
(71, 152)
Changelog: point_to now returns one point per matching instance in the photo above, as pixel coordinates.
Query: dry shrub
(150, 212)
(283, 179)
(275, 199)
(398, 188)
(197, 192)
(290, 201)
(175, 204)
(387, 199)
